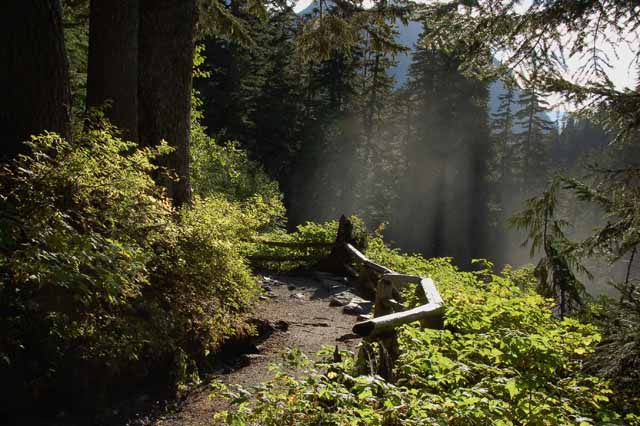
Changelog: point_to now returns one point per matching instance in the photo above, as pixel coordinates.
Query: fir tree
(502, 125)
(533, 140)
(444, 185)
(34, 71)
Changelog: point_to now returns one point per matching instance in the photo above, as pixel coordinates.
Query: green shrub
(502, 359)
(102, 281)
(227, 169)
(308, 232)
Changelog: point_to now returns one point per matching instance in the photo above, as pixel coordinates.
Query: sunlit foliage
(100, 275)
(502, 359)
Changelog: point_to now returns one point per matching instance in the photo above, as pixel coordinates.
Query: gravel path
(296, 312)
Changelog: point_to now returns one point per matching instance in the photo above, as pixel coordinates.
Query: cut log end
(364, 328)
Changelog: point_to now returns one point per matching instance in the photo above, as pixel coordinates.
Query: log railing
(336, 261)
(430, 313)
(390, 313)
(385, 285)
(298, 245)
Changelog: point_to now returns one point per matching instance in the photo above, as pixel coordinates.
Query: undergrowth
(308, 232)
(103, 284)
(501, 359)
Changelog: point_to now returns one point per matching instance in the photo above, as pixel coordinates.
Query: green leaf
(512, 388)
(365, 394)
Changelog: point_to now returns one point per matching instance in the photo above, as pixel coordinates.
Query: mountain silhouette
(408, 35)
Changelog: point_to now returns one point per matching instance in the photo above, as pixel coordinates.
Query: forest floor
(295, 312)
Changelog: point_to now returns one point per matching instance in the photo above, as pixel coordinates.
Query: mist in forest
(439, 159)
(420, 167)
(438, 178)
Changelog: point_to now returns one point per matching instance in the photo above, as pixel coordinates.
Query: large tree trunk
(113, 62)
(34, 73)
(166, 47)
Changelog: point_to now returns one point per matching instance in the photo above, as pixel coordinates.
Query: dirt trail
(296, 314)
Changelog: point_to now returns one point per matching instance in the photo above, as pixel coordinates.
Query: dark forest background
(441, 159)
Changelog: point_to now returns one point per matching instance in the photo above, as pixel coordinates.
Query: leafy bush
(502, 359)
(227, 169)
(308, 232)
(102, 281)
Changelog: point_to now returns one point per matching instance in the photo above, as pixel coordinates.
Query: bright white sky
(622, 73)
(301, 5)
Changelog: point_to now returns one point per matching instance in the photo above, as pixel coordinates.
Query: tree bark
(166, 45)
(113, 62)
(34, 73)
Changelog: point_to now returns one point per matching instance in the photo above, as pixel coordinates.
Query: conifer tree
(532, 39)
(113, 62)
(327, 165)
(350, 49)
(502, 125)
(34, 72)
(533, 141)
(445, 187)
(546, 234)
(166, 47)
(244, 100)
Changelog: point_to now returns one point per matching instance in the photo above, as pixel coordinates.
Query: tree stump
(338, 260)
